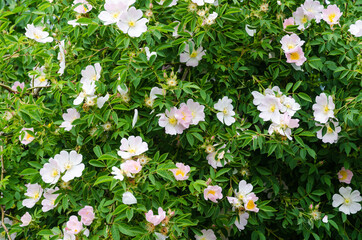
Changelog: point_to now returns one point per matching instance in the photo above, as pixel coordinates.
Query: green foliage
(287, 175)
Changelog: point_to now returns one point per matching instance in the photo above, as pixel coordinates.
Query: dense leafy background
(287, 175)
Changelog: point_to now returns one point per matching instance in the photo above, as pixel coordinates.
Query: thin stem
(7, 88)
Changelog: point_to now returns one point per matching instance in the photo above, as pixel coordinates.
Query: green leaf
(29, 171)
(103, 179)
(304, 96)
(97, 163)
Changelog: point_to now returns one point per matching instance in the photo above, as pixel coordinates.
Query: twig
(7, 87)
(185, 74)
(2, 207)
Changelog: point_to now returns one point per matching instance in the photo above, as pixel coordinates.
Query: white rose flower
(133, 146)
(323, 108)
(128, 198)
(34, 192)
(70, 163)
(347, 200)
(37, 34)
(226, 111)
(50, 173)
(132, 23)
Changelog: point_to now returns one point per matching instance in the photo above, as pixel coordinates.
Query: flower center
(28, 136)
(225, 111)
(131, 24)
(331, 17)
(42, 78)
(250, 205)
(131, 150)
(94, 78)
(36, 196)
(55, 173)
(291, 46)
(193, 54)
(304, 19)
(85, 9)
(326, 109)
(294, 56)
(272, 108)
(172, 121)
(344, 174)
(36, 36)
(211, 192)
(288, 105)
(115, 15)
(180, 172)
(68, 166)
(347, 201)
(329, 129)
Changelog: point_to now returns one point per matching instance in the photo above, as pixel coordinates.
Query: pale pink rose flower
(213, 193)
(69, 117)
(102, 100)
(243, 220)
(34, 192)
(87, 215)
(169, 122)
(287, 22)
(71, 164)
(345, 175)
(184, 116)
(91, 73)
(28, 138)
(206, 235)
(323, 108)
(132, 23)
(114, 10)
(128, 198)
(25, 219)
(313, 9)
(356, 29)
(296, 57)
(269, 108)
(197, 111)
(300, 18)
(68, 236)
(50, 172)
(133, 146)
(37, 34)
(285, 125)
(18, 84)
(73, 226)
(156, 219)
(131, 167)
(84, 7)
(181, 171)
(290, 43)
(291, 106)
(244, 190)
(331, 14)
(249, 202)
(192, 59)
(118, 173)
(157, 91)
(331, 135)
(61, 57)
(49, 201)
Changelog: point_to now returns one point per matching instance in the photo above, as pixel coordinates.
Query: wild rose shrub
(180, 119)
